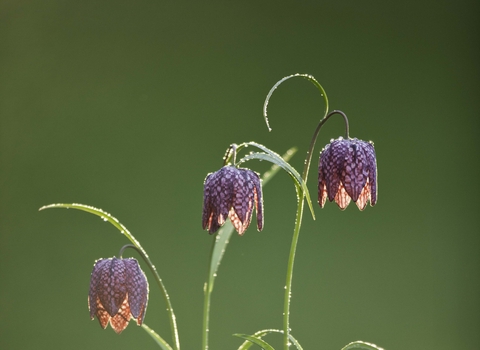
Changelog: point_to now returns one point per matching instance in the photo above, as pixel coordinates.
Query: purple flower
(232, 192)
(118, 292)
(347, 171)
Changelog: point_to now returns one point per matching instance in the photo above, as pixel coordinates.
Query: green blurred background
(128, 105)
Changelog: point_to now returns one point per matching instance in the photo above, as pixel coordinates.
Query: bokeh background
(128, 105)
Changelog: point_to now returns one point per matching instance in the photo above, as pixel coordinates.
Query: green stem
(298, 222)
(206, 302)
(291, 261)
(230, 154)
(301, 192)
(206, 317)
(308, 160)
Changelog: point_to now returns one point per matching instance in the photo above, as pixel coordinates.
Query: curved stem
(322, 121)
(308, 160)
(301, 193)
(291, 261)
(120, 254)
(298, 222)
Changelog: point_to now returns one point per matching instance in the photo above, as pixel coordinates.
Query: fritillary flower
(232, 192)
(347, 171)
(118, 292)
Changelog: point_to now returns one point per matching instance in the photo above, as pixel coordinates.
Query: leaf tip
(46, 207)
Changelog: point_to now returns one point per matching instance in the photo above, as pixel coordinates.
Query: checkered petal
(118, 292)
(232, 192)
(111, 288)
(347, 171)
(137, 289)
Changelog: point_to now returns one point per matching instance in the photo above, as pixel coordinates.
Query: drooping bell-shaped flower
(232, 192)
(347, 171)
(118, 292)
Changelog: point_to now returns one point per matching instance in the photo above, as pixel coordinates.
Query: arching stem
(120, 254)
(300, 194)
(308, 160)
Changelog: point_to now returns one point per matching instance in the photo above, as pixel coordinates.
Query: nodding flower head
(232, 192)
(347, 171)
(118, 292)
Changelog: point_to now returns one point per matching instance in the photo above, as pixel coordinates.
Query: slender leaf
(158, 339)
(305, 76)
(361, 345)
(103, 214)
(276, 159)
(221, 240)
(247, 344)
(275, 168)
(287, 167)
(261, 343)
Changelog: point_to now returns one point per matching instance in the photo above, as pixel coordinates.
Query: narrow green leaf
(275, 168)
(279, 161)
(247, 344)
(158, 339)
(361, 345)
(99, 212)
(221, 240)
(287, 168)
(261, 343)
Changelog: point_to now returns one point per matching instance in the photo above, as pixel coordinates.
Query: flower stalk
(298, 223)
(355, 177)
(301, 193)
(291, 261)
